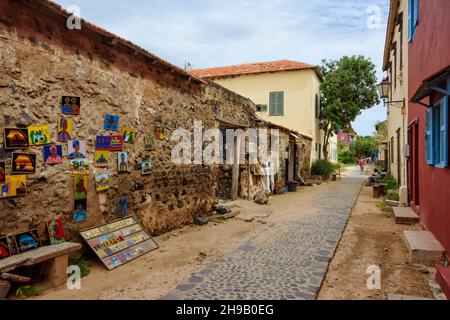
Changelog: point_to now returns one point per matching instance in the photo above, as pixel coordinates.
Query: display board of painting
(119, 242)
(14, 186)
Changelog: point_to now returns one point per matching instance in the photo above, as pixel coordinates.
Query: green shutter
(429, 136)
(280, 103)
(272, 103)
(443, 132)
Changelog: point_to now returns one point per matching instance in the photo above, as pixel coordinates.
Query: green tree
(349, 87)
(364, 146)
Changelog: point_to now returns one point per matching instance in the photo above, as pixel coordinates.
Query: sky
(211, 33)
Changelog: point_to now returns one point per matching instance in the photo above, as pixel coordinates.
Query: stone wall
(41, 61)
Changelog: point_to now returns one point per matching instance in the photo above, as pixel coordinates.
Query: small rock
(25, 120)
(200, 221)
(262, 221)
(424, 271)
(261, 198)
(202, 255)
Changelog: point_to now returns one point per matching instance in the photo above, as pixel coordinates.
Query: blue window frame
(413, 18)
(437, 134)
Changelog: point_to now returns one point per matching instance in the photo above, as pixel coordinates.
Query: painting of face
(116, 143)
(80, 211)
(14, 186)
(102, 143)
(147, 166)
(128, 135)
(24, 163)
(53, 155)
(71, 105)
(102, 182)
(101, 159)
(2, 171)
(122, 162)
(39, 135)
(16, 138)
(65, 125)
(55, 231)
(111, 122)
(77, 149)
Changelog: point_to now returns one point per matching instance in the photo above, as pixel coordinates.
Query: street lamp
(383, 90)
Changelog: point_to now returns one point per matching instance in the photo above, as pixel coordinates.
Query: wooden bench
(57, 256)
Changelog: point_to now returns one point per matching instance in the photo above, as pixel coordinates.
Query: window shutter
(416, 13)
(280, 103)
(272, 103)
(444, 133)
(429, 136)
(410, 18)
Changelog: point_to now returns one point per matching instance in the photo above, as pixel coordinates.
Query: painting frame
(101, 159)
(55, 231)
(35, 237)
(2, 171)
(76, 149)
(20, 134)
(123, 163)
(53, 154)
(116, 143)
(111, 122)
(39, 135)
(23, 163)
(102, 182)
(128, 135)
(71, 105)
(64, 129)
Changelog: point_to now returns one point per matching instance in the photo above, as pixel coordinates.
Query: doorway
(413, 164)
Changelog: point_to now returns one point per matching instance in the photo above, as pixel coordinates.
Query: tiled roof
(253, 68)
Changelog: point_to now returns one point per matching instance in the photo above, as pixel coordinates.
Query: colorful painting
(128, 135)
(55, 231)
(27, 241)
(2, 171)
(116, 143)
(147, 166)
(71, 105)
(101, 159)
(23, 163)
(16, 138)
(65, 127)
(14, 186)
(102, 143)
(111, 122)
(76, 149)
(102, 182)
(39, 135)
(159, 133)
(79, 166)
(122, 162)
(53, 155)
(80, 186)
(5, 249)
(80, 211)
(150, 143)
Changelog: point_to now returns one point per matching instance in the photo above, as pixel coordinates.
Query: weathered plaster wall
(41, 61)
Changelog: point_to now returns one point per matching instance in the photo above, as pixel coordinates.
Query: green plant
(391, 183)
(78, 260)
(323, 168)
(347, 157)
(29, 291)
(383, 207)
(394, 196)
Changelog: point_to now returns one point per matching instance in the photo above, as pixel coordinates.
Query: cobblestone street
(289, 261)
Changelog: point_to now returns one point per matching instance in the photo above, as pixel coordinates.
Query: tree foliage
(349, 87)
(364, 147)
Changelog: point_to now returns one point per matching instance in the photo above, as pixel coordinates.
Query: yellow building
(286, 93)
(396, 65)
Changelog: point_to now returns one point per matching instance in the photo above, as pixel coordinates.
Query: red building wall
(429, 54)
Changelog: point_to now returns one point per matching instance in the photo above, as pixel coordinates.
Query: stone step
(424, 247)
(443, 278)
(405, 215)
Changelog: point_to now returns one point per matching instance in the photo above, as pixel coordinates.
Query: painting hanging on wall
(16, 138)
(80, 211)
(122, 162)
(102, 182)
(79, 166)
(102, 143)
(116, 143)
(101, 159)
(55, 231)
(147, 166)
(80, 186)
(23, 163)
(128, 135)
(14, 186)
(27, 241)
(53, 155)
(65, 128)
(39, 135)
(70, 105)
(111, 122)
(2, 171)
(150, 143)
(159, 133)
(76, 149)
(5, 249)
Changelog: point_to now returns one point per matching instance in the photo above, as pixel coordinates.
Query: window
(413, 18)
(261, 108)
(276, 103)
(437, 134)
(317, 105)
(392, 150)
(395, 66)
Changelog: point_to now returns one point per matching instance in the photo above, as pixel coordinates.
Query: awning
(438, 83)
(294, 136)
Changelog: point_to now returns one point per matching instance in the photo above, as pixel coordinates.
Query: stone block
(405, 215)
(424, 247)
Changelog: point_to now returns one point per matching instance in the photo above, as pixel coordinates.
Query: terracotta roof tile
(252, 68)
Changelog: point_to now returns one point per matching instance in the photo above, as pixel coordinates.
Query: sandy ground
(184, 252)
(373, 238)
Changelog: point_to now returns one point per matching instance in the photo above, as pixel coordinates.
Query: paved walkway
(287, 262)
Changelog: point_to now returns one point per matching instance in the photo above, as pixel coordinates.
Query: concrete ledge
(423, 247)
(405, 215)
(443, 278)
(398, 297)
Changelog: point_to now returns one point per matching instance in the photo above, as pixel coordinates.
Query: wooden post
(235, 174)
(58, 270)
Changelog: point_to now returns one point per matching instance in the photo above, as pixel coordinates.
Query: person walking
(362, 164)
